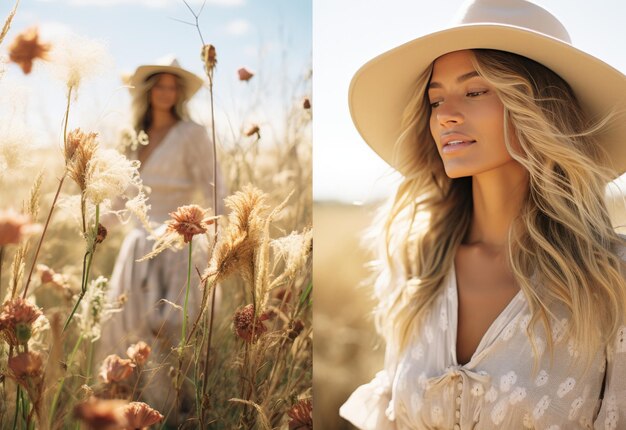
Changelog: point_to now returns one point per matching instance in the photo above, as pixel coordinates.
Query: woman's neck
(162, 120)
(497, 196)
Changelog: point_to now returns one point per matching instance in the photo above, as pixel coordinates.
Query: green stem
(90, 362)
(58, 393)
(182, 339)
(18, 396)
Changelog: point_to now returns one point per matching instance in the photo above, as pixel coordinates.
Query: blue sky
(270, 37)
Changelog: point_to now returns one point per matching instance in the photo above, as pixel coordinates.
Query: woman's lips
(456, 145)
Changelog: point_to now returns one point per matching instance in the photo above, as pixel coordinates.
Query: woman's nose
(449, 114)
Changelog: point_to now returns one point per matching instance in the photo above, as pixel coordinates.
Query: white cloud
(238, 27)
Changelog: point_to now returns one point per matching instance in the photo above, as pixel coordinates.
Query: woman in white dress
(177, 169)
(502, 291)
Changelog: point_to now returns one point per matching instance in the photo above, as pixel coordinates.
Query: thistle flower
(139, 415)
(188, 221)
(17, 319)
(78, 151)
(101, 414)
(209, 58)
(26, 364)
(108, 175)
(253, 130)
(139, 352)
(14, 227)
(116, 369)
(306, 103)
(301, 415)
(75, 58)
(26, 47)
(248, 326)
(95, 309)
(245, 74)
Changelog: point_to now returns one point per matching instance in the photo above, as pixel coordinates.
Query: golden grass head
(14, 227)
(248, 326)
(26, 365)
(26, 48)
(301, 415)
(209, 58)
(17, 319)
(79, 149)
(139, 352)
(139, 415)
(189, 221)
(116, 369)
(244, 74)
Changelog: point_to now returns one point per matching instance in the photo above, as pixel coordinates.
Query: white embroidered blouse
(426, 388)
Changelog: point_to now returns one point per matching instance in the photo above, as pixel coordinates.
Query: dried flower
(248, 326)
(139, 352)
(75, 58)
(116, 369)
(79, 149)
(101, 414)
(17, 319)
(189, 220)
(108, 175)
(140, 415)
(306, 103)
(102, 233)
(295, 328)
(245, 74)
(294, 250)
(253, 130)
(209, 58)
(26, 47)
(301, 415)
(57, 280)
(26, 364)
(15, 226)
(95, 308)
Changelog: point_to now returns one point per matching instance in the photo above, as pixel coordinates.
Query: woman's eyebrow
(460, 79)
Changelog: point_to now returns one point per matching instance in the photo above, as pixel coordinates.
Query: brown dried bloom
(15, 226)
(253, 130)
(102, 233)
(16, 320)
(245, 74)
(209, 57)
(301, 415)
(79, 150)
(189, 220)
(26, 364)
(26, 47)
(116, 369)
(306, 103)
(248, 326)
(101, 414)
(140, 415)
(295, 328)
(139, 352)
(46, 273)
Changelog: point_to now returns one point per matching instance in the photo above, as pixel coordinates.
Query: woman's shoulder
(191, 126)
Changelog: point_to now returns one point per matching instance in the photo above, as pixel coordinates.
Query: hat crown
(518, 13)
(168, 61)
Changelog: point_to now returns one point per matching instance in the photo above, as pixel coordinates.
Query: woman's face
(467, 117)
(164, 93)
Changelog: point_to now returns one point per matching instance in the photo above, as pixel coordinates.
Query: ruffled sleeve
(612, 413)
(369, 407)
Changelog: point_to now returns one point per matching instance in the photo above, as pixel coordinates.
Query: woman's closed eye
(476, 93)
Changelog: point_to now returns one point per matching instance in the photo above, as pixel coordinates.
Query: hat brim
(381, 89)
(192, 82)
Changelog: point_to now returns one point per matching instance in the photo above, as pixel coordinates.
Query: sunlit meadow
(244, 360)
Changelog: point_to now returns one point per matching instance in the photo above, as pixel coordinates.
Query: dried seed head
(15, 226)
(301, 415)
(188, 221)
(26, 47)
(139, 352)
(116, 369)
(101, 414)
(306, 103)
(139, 415)
(102, 233)
(16, 320)
(253, 130)
(247, 325)
(245, 74)
(209, 57)
(295, 328)
(78, 151)
(26, 364)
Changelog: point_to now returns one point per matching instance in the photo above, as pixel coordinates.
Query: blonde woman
(177, 168)
(502, 291)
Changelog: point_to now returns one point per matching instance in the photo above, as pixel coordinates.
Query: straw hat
(381, 89)
(169, 64)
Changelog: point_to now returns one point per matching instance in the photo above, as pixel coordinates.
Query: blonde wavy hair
(562, 247)
(141, 110)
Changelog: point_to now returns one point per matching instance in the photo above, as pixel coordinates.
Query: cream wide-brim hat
(137, 81)
(382, 88)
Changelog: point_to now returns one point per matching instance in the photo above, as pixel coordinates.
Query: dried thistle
(189, 221)
(139, 415)
(26, 365)
(247, 325)
(254, 130)
(245, 74)
(139, 352)
(301, 415)
(26, 47)
(108, 175)
(209, 58)
(116, 369)
(14, 227)
(17, 319)
(75, 58)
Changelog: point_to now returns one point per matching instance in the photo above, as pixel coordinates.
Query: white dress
(178, 172)
(426, 388)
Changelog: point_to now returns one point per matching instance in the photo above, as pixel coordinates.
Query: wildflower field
(242, 358)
